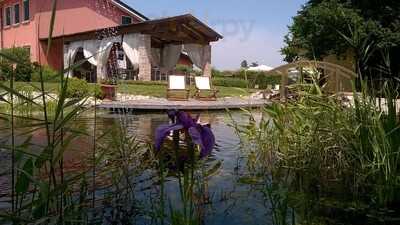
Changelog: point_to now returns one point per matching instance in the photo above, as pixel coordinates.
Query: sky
(253, 30)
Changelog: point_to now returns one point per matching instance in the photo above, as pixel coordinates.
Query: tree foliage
(19, 58)
(368, 28)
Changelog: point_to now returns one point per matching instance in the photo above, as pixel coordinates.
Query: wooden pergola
(338, 78)
(158, 34)
(184, 29)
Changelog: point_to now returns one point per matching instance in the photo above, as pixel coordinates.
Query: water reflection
(135, 185)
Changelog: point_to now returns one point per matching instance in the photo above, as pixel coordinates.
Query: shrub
(217, 73)
(23, 69)
(264, 80)
(241, 74)
(142, 82)
(97, 92)
(77, 88)
(330, 144)
(48, 74)
(229, 82)
(183, 68)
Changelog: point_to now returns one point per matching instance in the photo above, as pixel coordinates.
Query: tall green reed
(326, 143)
(42, 193)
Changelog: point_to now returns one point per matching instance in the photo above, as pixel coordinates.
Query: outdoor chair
(177, 89)
(204, 89)
(271, 93)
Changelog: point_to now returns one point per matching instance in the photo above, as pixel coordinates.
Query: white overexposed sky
(252, 29)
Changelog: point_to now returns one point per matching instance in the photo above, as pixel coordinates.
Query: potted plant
(108, 87)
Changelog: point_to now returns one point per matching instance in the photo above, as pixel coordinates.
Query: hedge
(229, 82)
(48, 75)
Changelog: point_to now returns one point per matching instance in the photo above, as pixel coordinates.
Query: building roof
(182, 29)
(129, 9)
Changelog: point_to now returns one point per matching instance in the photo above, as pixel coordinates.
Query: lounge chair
(177, 90)
(204, 89)
(271, 92)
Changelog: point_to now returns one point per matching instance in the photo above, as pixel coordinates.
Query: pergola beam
(183, 29)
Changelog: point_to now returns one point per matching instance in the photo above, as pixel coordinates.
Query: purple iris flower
(201, 134)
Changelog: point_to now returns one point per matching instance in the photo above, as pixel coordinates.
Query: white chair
(204, 85)
(177, 89)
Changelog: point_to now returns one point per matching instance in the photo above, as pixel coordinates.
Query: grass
(155, 89)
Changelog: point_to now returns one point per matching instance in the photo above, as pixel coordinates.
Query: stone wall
(207, 70)
(144, 58)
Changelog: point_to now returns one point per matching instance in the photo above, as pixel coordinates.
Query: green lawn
(160, 90)
(156, 89)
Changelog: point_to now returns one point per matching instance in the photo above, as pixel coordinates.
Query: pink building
(25, 23)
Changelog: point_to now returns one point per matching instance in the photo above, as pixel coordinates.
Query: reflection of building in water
(145, 128)
(148, 124)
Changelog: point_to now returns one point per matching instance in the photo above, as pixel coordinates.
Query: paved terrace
(192, 104)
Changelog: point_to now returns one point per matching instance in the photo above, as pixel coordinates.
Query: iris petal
(204, 137)
(163, 131)
(201, 135)
(208, 140)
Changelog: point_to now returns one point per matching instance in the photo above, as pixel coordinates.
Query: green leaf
(23, 180)
(16, 93)
(214, 170)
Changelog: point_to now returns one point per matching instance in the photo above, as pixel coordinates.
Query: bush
(258, 78)
(20, 57)
(48, 74)
(77, 88)
(219, 73)
(229, 82)
(97, 92)
(142, 82)
(264, 80)
(183, 68)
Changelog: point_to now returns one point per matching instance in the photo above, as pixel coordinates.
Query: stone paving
(191, 104)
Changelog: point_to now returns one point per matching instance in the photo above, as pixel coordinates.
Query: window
(7, 16)
(27, 15)
(16, 14)
(126, 20)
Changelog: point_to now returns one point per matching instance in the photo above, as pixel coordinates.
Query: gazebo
(146, 45)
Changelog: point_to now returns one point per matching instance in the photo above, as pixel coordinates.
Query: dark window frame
(26, 9)
(17, 13)
(126, 17)
(8, 16)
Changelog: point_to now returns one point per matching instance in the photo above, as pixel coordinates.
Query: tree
(254, 64)
(23, 68)
(326, 27)
(244, 64)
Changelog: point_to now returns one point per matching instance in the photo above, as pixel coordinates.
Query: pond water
(129, 188)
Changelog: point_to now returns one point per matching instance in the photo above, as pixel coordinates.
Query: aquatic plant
(200, 134)
(42, 192)
(328, 147)
(181, 163)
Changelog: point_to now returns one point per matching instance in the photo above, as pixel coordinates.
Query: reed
(323, 146)
(41, 193)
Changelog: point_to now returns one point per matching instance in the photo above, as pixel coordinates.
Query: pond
(134, 186)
